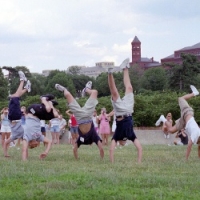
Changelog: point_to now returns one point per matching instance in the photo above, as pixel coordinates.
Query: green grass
(163, 174)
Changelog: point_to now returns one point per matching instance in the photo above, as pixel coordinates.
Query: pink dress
(104, 125)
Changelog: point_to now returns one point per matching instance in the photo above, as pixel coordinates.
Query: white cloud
(124, 48)
(47, 34)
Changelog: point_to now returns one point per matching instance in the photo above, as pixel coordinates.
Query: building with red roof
(176, 56)
(137, 58)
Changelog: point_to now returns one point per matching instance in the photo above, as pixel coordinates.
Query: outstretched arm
(48, 146)
(24, 150)
(111, 113)
(68, 113)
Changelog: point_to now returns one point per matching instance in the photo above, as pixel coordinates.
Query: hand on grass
(43, 155)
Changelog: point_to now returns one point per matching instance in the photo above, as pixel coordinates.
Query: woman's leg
(3, 135)
(53, 138)
(58, 138)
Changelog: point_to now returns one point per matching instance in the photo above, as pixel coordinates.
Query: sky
(56, 34)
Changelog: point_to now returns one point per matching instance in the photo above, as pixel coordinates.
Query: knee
(180, 99)
(129, 87)
(101, 149)
(48, 109)
(24, 149)
(139, 147)
(75, 149)
(111, 150)
(115, 94)
(95, 92)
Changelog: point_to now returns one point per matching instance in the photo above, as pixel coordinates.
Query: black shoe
(55, 103)
(49, 97)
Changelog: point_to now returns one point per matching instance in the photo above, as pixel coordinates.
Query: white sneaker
(60, 87)
(168, 136)
(194, 90)
(165, 136)
(161, 119)
(12, 144)
(110, 70)
(22, 76)
(28, 86)
(125, 64)
(88, 85)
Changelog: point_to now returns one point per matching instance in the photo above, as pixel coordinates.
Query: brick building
(137, 58)
(176, 56)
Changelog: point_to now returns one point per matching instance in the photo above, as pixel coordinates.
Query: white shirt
(55, 122)
(192, 129)
(42, 123)
(62, 122)
(94, 119)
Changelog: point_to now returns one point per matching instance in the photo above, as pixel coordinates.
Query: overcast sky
(56, 34)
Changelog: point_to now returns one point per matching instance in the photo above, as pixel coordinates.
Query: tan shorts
(83, 113)
(185, 110)
(125, 105)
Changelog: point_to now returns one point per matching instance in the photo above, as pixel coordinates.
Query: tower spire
(136, 50)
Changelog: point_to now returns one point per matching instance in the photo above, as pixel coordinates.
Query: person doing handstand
(30, 133)
(32, 130)
(186, 121)
(15, 113)
(123, 109)
(86, 129)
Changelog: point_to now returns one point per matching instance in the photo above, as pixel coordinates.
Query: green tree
(154, 79)
(135, 73)
(3, 86)
(80, 81)
(182, 75)
(74, 70)
(102, 85)
(38, 86)
(13, 76)
(61, 78)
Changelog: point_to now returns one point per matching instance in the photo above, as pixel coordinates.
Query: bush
(147, 109)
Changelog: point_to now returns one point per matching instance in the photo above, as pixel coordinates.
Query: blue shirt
(5, 121)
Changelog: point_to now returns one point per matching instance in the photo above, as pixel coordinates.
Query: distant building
(176, 56)
(137, 59)
(98, 69)
(95, 71)
(46, 72)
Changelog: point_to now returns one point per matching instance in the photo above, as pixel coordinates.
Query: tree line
(156, 89)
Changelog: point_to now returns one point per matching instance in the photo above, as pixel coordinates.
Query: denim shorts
(74, 129)
(55, 129)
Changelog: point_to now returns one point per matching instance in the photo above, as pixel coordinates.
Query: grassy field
(163, 174)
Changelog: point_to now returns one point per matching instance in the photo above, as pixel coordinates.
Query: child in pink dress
(104, 128)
